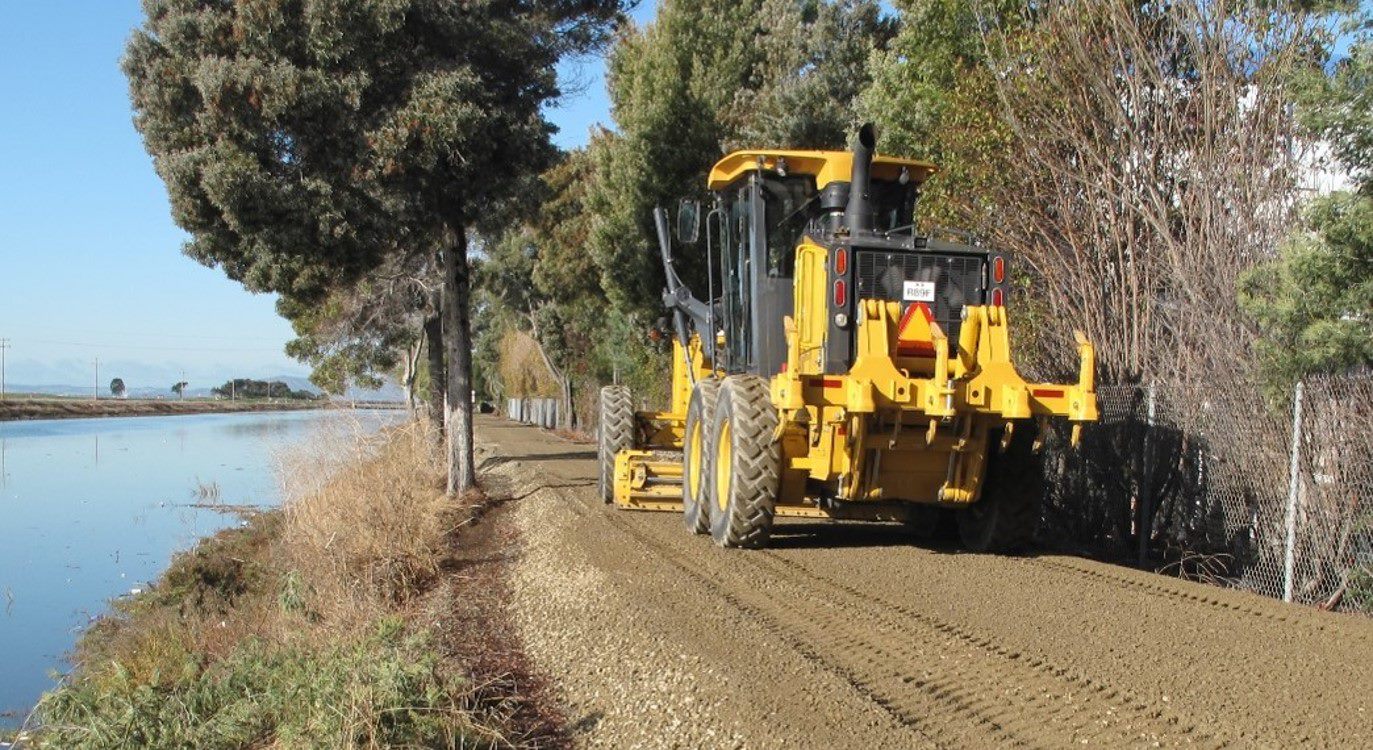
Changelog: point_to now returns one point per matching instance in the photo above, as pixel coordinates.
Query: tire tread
(614, 434)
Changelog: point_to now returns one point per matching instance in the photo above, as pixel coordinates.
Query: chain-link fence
(1214, 483)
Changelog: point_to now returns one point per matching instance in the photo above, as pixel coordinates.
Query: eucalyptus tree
(304, 143)
(705, 77)
(1314, 302)
(542, 281)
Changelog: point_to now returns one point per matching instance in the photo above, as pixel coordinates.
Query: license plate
(917, 291)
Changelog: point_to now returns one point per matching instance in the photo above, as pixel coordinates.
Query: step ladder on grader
(844, 367)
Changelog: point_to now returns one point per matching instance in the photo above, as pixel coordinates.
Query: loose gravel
(849, 635)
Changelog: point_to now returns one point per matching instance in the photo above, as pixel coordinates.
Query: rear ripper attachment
(845, 366)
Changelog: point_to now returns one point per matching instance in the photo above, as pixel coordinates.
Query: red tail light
(998, 270)
(998, 298)
(841, 293)
(841, 261)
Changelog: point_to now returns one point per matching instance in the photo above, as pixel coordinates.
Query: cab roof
(826, 166)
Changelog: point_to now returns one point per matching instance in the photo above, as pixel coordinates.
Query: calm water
(93, 508)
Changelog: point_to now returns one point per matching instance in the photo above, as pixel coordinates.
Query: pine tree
(304, 143)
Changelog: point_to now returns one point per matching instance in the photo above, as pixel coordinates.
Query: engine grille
(957, 281)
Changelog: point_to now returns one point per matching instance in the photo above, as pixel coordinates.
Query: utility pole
(4, 344)
(95, 392)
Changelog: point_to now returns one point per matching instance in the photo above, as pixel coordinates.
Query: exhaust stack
(858, 214)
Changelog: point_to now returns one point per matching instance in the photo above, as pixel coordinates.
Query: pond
(92, 509)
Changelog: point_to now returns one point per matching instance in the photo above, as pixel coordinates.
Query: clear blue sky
(90, 261)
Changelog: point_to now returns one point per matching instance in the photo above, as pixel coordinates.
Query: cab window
(893, 205)
(736, 271)
(787, 207)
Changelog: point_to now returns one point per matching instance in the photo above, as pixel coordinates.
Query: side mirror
(688, 221)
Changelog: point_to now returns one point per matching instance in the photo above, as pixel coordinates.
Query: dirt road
(845, 635)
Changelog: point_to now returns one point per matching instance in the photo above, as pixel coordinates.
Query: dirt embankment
(12, 409)
(846, 635)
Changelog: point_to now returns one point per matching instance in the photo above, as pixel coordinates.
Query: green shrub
(382, 689)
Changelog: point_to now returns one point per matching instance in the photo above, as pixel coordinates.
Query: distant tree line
(249, 388)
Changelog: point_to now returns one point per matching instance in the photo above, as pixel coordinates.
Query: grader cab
(845, 366)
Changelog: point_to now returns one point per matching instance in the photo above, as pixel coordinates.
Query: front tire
(746, 464)
(696, 453)
(1004, 520)
(616, 433)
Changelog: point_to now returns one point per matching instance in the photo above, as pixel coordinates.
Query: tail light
(841, 293)
(998, 297)
(998, 269)
(841, 261)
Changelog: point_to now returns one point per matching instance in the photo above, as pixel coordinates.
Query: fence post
(1146, 499)
(1293, 485)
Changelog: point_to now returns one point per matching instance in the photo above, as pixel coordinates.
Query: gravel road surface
(850, 635)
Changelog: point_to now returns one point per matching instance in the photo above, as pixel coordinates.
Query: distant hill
(389, 391)
(57, 390)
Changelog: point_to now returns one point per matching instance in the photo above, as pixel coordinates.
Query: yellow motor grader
(845, 366)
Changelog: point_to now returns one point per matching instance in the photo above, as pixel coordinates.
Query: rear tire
(746, 464)
(930, 524)
(696, 453)
(1004, 520)
(616, 433)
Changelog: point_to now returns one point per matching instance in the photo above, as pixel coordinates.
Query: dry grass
(368, 538)
(522, 371)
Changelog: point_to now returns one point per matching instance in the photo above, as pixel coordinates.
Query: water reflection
(92, 508)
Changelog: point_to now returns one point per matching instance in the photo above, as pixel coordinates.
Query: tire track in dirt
(884, 647)
(850, 627)
(642, 626)
(1165, 589)
(771, 624)
(1049, 673)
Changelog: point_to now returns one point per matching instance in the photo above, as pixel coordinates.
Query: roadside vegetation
(249, 388)
(307, 627)
(1178, 230)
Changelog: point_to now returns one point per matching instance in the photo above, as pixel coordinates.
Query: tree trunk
(457, 331)
(438, 378)
(560, 375)
(566, 419)
(412, 361)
